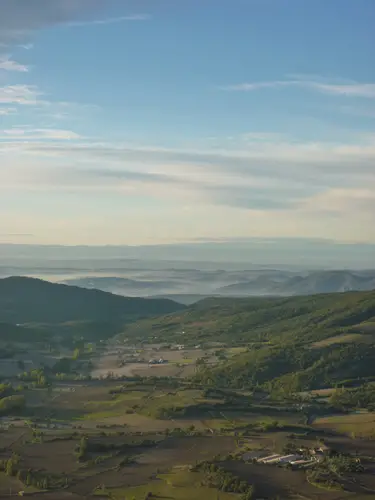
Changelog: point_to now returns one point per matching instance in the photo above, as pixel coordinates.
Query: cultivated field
(361, 425)
(122, 361)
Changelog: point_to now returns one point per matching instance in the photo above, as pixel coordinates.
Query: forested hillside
(44, 308)
(291, 344)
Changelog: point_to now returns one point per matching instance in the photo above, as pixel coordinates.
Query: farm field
(124, 362)
(9, 485)
(361, 425)
(178, 485)
(142, 436)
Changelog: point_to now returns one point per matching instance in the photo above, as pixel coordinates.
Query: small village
(303, 458)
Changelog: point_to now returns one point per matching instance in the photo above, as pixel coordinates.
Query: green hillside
(285, 344)
(48, 307)
(297, 319)
(284, 339)
(9, 332)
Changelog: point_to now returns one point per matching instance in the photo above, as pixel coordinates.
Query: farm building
(252, 455)
(280, 459)
(289, 459)
(264, 460)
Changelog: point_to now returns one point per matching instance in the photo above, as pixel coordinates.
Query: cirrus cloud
(20, 18)
(19, 94)
(348, 89)
(7, 64)
(264, 177)
(38, 134)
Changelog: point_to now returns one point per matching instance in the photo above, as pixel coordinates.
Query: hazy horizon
(227, 254)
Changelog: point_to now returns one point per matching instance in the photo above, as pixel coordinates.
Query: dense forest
(44, 308)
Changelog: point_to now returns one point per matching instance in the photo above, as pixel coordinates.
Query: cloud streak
(7, 111)
(20, 18)
(352, 89)
(315, 163)
(19, 94)
(152, 185)
(114, 20)
(271, 188)
(265, 177)
(38, 134)
(7, 64)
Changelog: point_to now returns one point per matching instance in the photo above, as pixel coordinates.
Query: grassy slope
(182, 485)
(356, 425)
(280, 334)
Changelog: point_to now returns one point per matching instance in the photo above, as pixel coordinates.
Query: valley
(187, 403)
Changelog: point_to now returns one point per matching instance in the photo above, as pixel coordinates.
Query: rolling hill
(297, 342)
(18, 333)
(304, 284)
(187, 286)
(287, 343)
(29, 300)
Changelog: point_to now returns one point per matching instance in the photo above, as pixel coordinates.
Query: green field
(181, 485)
(360, 425)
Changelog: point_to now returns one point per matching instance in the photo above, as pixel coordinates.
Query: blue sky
(166, 121)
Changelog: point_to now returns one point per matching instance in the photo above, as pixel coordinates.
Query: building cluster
(301, 458)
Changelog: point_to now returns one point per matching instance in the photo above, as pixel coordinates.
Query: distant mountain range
(189, 286)
(312, 283)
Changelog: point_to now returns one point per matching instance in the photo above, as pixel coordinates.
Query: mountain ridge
(32, 300)
(312, 283)
(182, 285)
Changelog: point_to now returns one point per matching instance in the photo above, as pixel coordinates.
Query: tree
(76, 354)
(82, 448)
(9, 468)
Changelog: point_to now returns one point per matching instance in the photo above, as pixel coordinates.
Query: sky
(147, 122)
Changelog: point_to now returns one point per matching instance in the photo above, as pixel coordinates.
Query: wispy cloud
(39, 134)
(21, 18)
(262, 137)
(102, 178)
(7, 111)
(278, 160)
(113, 20)
(7, 64)
(265, 176)
(352, 89)
(19, 94)
(155, 185)
(275, 188)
